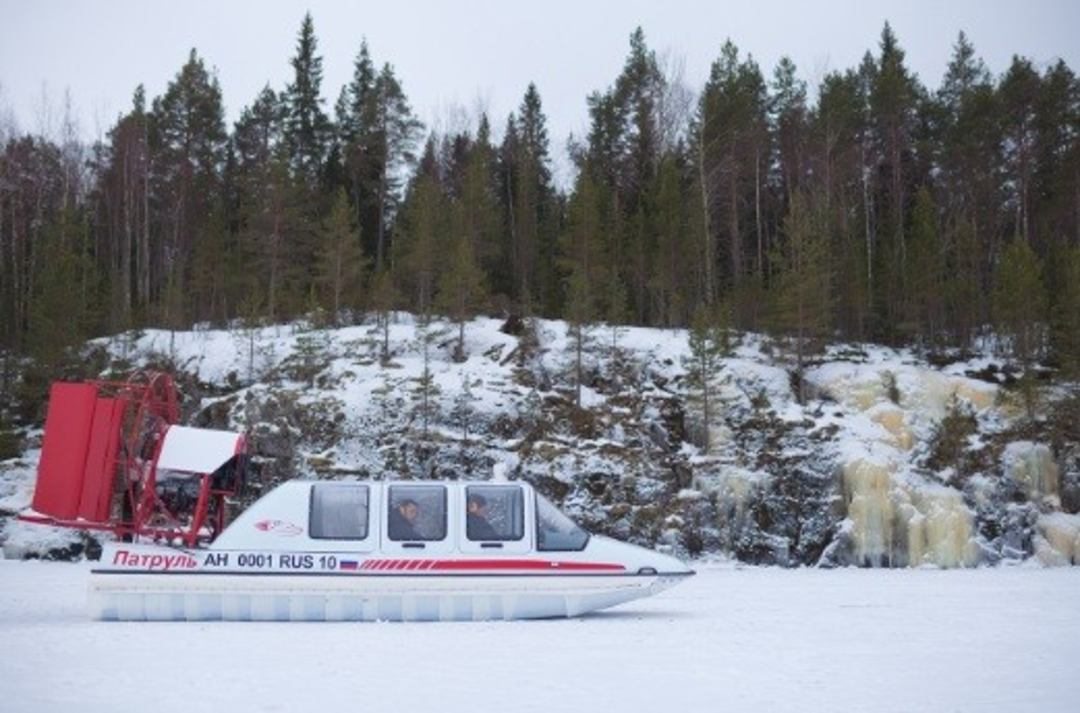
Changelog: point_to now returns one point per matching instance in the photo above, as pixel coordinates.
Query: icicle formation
(897, 518)
(897, 524)
(867, 487)
(1032, 467)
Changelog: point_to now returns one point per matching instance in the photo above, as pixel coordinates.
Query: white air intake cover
(197, 450)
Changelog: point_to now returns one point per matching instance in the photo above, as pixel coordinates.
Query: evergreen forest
(870, 207)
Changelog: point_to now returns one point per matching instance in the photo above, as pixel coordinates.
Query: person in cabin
(403, 520)
(477, 526)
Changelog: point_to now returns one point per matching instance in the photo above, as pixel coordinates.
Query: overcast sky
(472, 53)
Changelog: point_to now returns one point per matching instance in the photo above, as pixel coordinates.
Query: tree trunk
(733, 227)
(275, 241)
(757, 215)
(869, 236)
(578, 368)
(144, 253)
(708, 247)
(461, 335)
(706, 402)
(380, 231)
(128, 245)
(386, 336)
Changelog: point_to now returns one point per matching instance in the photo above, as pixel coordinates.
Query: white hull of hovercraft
(137, 596)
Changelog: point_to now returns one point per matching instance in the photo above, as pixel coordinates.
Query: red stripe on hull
(530, 565)
(487, 565)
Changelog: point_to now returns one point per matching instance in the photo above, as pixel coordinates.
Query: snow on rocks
(899, 513)
(840, 480)
(20, 539)
(734, 489)
(1059, 543)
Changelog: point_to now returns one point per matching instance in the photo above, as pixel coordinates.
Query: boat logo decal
(154, 560)
(279, 527)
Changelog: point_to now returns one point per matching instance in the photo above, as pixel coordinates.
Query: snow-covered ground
(731, 639)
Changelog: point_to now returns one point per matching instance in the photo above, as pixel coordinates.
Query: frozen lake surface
(730, 639)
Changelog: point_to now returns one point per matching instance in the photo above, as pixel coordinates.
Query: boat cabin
(414, 518)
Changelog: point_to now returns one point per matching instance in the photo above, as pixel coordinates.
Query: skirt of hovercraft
(127, 600)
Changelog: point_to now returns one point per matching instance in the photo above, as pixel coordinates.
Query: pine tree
(926, 286)
(630, 134)
(641, 246)
(426, 391)
(417, 254)
(789, 120)
(480, 205)
(637, 94)
(391, 145)
(1020, 301)
(356, 114)
(532, 229)
(1019, 95)
(964, 301)
(258, 134)
(249, 324)
(733, 153)
(464, 416)
(840, 180)
(971, 163)
(673, 257)
(58, 312)
(803, 283)
(385, 298)
(210, 263)
(1056, 176)
(1065, 310)
(353, 109)
(709, 344)
(311, 353)
(188, 142)
(582, 265)
(123, 170)
(970, 153)
(269, 210)
(616, 303)
(582, 250)
(307, 127)
(578, 321)
(461, 287)
(893, 101)
(341, 263)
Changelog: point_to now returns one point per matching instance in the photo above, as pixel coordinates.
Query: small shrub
(950, 438)
(891, 389)
(10, 445)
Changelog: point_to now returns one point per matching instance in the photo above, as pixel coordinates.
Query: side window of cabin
(494, 512)
(555, 532)
(339, 511)
(416, 513)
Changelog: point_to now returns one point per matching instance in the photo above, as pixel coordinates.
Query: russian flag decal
(349, 564)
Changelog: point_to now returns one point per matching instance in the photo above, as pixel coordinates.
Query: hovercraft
(307, 550)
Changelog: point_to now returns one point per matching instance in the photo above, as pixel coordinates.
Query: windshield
(556, 532)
